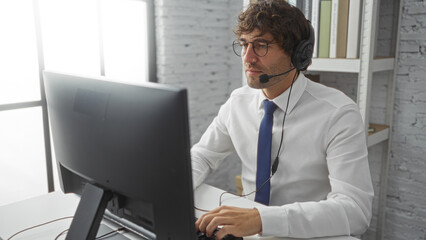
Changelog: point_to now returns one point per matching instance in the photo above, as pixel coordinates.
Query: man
(322, 184)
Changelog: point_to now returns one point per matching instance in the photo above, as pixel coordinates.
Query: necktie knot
(269, 107)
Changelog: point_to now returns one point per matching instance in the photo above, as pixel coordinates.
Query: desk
(20, 215)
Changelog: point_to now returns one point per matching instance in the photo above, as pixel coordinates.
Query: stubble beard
(253, 81)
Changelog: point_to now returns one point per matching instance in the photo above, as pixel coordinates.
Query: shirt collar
(299, 86)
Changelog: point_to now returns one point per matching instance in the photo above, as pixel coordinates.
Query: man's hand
(236, 221)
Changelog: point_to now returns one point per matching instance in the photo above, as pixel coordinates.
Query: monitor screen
(123, 147)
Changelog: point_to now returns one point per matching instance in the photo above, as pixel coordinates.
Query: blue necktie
(264, 154)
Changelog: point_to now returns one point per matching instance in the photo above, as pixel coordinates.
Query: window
(124, 37)
(18, 50)
(23, 165)
(103, 37)
(113, 38)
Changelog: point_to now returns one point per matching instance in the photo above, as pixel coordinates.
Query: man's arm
(214, 146)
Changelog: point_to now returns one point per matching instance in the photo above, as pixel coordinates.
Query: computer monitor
(123, 147)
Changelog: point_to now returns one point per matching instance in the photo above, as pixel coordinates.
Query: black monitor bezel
(173, 199)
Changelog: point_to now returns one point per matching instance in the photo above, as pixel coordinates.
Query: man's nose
(249, 55)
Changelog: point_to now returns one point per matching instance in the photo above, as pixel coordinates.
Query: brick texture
(406, 200)
(194, 50)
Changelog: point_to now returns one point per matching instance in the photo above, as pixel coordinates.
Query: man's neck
(277, 89)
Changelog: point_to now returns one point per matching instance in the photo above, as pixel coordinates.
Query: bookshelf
(365, 65)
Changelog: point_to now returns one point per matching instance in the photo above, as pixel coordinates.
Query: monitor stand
(89, 213)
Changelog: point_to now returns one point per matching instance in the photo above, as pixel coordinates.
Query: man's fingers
(235, 221)
(225, 230)
(202, 223)
(208, 224)
(205, 219)
(216, 222)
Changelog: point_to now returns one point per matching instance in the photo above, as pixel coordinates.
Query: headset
(302, 53)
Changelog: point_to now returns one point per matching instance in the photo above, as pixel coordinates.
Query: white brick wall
(406, 203)
(194, 50)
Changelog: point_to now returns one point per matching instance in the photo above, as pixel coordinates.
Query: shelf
(349, 65)
(380, 134)
(335, 65)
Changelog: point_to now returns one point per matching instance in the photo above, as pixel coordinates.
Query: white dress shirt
(323, 185)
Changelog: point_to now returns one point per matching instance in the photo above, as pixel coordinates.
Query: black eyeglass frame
(237, 42)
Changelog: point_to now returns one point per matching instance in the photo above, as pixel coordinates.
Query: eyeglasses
(260, 47)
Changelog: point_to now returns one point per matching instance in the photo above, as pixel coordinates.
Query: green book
(324, 34)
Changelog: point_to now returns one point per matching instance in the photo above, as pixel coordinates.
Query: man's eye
(244, 44)
(261, 45)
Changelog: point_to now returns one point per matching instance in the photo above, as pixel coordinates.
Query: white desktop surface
(20, 215)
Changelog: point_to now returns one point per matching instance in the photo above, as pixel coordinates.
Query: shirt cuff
(274, 221)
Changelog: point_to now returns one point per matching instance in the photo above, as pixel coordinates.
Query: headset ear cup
(302, 53)
(299, 55)
(304, 56)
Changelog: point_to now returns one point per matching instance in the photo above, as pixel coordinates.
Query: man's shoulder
(332, 96)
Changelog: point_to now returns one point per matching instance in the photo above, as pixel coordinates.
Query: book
(333, 28)
(324, 33)
(352, 47)
(342, 29)
(315, 24)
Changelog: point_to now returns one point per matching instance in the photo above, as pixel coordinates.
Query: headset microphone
(264, 78)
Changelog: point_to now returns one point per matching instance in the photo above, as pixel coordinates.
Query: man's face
(274, 62)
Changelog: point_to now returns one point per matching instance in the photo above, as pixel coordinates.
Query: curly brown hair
(286, 23)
